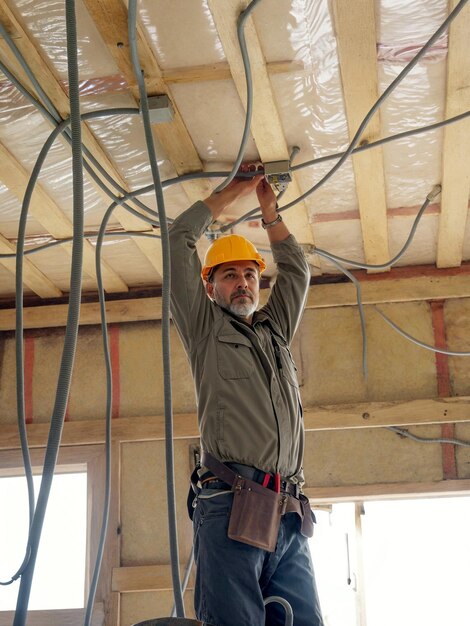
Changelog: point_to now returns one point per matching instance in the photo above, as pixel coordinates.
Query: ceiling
(318, 67)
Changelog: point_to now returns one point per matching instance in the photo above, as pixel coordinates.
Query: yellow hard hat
(230, 248)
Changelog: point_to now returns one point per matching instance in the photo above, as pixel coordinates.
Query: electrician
(249, 411)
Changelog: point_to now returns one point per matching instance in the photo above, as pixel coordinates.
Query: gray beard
(240, 309)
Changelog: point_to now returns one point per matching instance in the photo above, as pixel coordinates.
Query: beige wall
(328, 353)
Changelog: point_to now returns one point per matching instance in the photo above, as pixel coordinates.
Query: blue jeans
(233, 578)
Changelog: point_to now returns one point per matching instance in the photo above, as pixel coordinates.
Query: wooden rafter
(32, 276)
(46, 76)
(355, 28)
(49, 215)
(110, 17)
(456, 146)
(266, 125)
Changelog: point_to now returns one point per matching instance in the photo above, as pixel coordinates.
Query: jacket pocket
(234, 357)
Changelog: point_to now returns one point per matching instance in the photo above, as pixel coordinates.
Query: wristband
(266, 225)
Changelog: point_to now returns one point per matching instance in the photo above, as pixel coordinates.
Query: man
(249, 409)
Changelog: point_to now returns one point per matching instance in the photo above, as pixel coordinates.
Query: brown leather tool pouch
(256, 514)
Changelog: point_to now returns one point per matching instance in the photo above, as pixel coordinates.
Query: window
(59, 576)
(84, 466)
(384, 563)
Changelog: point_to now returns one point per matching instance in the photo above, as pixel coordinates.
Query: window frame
(89, 458)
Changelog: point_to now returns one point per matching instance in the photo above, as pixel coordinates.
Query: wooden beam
(49, 215)
(357, 49)
(221, 71)
(56, 314)
(57, 617)
(348, 493)
(456, 147)
(414, 289)
(46, 75)
(266, 124)
(383, 414)
(145, 578)
(329, 417)
(32, 276)
(110, 17)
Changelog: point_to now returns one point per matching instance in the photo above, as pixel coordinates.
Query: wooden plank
(329, 417)
(413, 289)
(381, 491)
(456, 147)
(56, 314)
(46, 75)
(110, 17)
(91, 432)
(382, 414)
(356, 39)
(56, 617)
(32, 276)
(48, 214)
(221, 71)
(145, 578)
(266, 124)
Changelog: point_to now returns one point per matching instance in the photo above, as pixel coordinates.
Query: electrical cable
(54, 118)
(287, 607)
(169, 454)
(405, 433)
(59, 242)
(360, 306)
(405, 71)
(380, 142)
(108, 414)
(249, 92)
(436, 190)
(71, 331)
(187, 573)
(417, 341)
(19, 314)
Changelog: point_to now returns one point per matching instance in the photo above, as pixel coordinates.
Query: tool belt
(256, 510)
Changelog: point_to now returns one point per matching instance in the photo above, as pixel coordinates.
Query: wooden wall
(349, 451)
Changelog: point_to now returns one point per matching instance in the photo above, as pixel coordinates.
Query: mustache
(241, 292)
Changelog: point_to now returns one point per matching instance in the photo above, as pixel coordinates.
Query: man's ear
(210, 290)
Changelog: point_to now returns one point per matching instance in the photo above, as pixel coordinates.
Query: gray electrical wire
(383, 141)
(405, 433)
(108, 414)
(71, 331)
(58, 242)
(405, 71)
(287, 607)
(201, 175)
(417, 341)
(187, 573)
(360, 306)
(249, 92)
(173, 536)
(53, 117)
(436, 190)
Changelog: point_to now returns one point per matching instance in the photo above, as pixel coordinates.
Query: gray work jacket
(248, 400)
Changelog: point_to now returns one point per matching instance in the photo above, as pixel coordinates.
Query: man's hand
(237, 188)
(267, 200)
